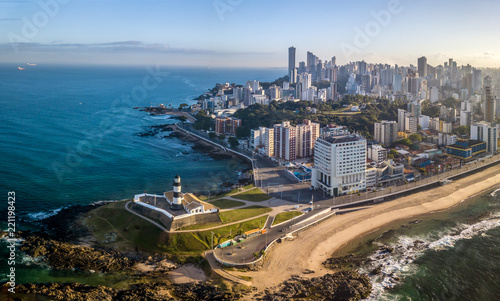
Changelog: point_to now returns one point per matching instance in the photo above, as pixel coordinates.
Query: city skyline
(224, 33)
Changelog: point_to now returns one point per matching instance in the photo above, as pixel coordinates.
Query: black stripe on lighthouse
(176, 194)
(177, 184)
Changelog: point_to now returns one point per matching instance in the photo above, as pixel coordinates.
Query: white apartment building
(339, 165)
(377, 153)
(386, 132)
(484, 131)
(262, 140)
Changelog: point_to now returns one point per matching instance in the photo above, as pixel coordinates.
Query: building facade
(227, 125)
(386, 132)
(339, 165)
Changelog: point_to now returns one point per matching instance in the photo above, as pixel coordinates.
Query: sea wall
(175, 224)
(162, 218)
(195, 220)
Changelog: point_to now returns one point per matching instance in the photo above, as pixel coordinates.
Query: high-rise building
(307, 133)
(396, 83)
(489, 110)
(386, 132)
(293, 76)
(401, 120)
(262, 140)
(422, 66)
(411, 123)
(362, 67)
(487, 132)
(293, 142)
(366, 80)
(291, 59)
(339, 164)
(285, 140)
(227, 125)
(377, 153)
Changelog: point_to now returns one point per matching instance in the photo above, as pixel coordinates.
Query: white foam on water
(38, 216)
(396, 265)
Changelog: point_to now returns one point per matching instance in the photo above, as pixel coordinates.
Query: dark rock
(62, 255)
(345, 285)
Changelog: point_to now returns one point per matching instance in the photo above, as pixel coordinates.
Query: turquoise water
(69, 136)
(69, 133)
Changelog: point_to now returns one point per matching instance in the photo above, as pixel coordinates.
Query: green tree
(182, 106)
(461, 130)
(415, 137)
(221, 137)
(212, 135)
(393, 154)
(233, 142)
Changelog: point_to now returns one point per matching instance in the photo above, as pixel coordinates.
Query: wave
(38, 216)
(391, 264)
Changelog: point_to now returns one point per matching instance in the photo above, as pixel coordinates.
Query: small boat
(20, 68)
(30, 64)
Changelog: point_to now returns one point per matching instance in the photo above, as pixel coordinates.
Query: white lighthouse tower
(177, 201)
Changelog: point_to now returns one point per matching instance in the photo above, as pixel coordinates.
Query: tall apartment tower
(339, 165)
(386, 132)
(422, 66)
(489, 111)
(285, 141)
(291, 59)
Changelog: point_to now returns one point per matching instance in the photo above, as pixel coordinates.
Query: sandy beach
(315, 245)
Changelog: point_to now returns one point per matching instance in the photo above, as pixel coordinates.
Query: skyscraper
(422, 66)
(489, 110)
(291, 59)
(386, 132)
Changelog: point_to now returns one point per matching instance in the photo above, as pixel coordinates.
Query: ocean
(449, 255)
(69, 133)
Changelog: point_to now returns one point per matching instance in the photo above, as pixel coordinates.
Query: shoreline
(332, 236)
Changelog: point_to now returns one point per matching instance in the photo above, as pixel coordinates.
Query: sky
(248, 33)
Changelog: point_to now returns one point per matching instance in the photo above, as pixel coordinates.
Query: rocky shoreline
(137, 292)
(344, 285)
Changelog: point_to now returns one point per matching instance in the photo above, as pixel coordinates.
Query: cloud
(120, 46)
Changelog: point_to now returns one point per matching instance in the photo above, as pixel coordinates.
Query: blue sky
(249, 33)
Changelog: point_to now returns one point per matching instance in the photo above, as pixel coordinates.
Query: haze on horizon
(243, 33)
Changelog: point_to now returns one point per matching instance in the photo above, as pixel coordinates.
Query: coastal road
(315, 245)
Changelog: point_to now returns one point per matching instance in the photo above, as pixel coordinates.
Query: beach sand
(315, 245)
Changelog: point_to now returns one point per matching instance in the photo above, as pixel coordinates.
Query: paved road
(244, 252)
(216, 268)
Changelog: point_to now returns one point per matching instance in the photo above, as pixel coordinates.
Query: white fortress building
(173, 206)
(339, 164)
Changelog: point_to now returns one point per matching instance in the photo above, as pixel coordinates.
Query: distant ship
(20, 68)
(30, 64)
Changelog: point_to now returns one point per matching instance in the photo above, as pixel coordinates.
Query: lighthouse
(177, 201)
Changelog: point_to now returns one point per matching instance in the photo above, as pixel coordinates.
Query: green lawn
(239, 214)
(284, 216)
(253, 195)
(200, 241)
(232, 216)
(135, 233)
(132, 232)
(226, 203)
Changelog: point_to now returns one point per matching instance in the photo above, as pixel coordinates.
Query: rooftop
(466, 144)
(341, 139)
